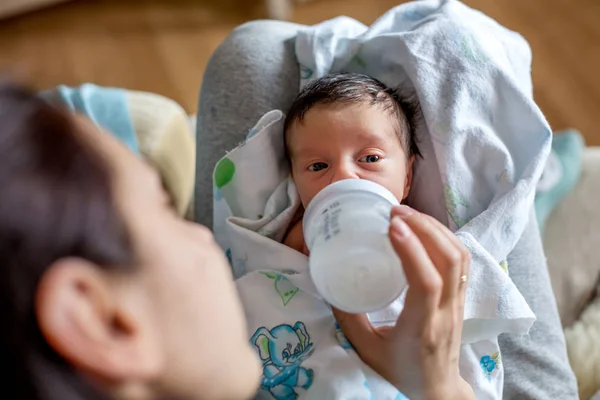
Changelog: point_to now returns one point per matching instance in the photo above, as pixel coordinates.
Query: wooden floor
(163, 45)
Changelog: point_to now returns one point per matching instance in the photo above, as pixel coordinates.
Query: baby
(348, 126)
(342, 126)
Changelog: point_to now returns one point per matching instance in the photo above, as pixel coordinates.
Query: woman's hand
(419, 355)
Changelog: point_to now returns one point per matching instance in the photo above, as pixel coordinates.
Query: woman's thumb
(356, 327)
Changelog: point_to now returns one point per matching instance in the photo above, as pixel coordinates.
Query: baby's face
(340, 141)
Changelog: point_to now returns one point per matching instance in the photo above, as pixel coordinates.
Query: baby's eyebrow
(302, 153)
(369, 138)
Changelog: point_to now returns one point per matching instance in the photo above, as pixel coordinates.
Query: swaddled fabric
(484, 143)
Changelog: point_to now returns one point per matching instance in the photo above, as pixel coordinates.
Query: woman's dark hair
(55, 202)
(351, 88)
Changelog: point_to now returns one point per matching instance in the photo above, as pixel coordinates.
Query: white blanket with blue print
(484, 143)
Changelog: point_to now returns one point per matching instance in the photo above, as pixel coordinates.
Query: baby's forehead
(370, 119)
(328, 128)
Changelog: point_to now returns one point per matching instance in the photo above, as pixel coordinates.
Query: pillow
(153, 126)
(561, 173)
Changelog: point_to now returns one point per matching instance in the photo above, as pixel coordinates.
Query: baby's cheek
(302, 187)
(308, 191)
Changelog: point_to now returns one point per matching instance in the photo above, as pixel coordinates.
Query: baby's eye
(372, 158)
(318, 166)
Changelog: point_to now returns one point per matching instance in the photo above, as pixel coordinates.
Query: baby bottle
(352, 262)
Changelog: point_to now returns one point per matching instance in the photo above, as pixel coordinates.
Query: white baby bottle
(352, 262)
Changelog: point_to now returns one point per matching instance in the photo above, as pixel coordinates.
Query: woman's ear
(84, 320)
(409, 177)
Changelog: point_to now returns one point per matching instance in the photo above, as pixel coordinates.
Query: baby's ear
(409, 177)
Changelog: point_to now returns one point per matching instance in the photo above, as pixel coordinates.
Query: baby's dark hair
(357, 88)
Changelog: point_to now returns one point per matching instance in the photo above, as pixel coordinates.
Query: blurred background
(163, 46)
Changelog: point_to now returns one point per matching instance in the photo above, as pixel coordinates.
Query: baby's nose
(343, 172)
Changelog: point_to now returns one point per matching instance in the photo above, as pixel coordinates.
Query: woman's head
(102, 288)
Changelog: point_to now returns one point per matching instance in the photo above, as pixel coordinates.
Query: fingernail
(404, 211)
(399, 227)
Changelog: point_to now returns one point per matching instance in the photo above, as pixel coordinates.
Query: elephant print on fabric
(282, 350)
(489, 364)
